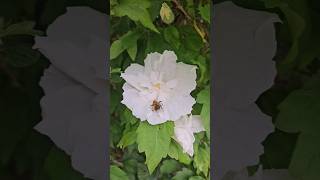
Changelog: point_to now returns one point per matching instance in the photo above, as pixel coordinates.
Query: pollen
(157, 85)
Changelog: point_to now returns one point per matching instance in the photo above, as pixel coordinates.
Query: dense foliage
(137, 29)
(140, 150)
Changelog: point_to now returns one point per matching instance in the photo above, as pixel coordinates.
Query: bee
(156, 105)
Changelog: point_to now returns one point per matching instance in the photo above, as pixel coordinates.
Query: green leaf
(126, 42)
(154, 140)
(202, 160)
(278, 149)
(183, 174)
(169, 166)
(156, 43)
(137, 11)
(129, 136)
(204, 98)
(299, 112)
(172, 36)
(116, 49)
(196, 178)
(205, 12)
(21, 28)
(132, 51)
(117, 174)
(305, 160)
(166, 14)
(57, 166)
(175, 151)
(21, 55)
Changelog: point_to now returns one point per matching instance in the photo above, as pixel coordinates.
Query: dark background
(26, 154)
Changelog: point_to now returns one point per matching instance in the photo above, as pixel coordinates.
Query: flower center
(157, 86)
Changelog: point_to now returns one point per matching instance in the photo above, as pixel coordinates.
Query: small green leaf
(205, 12)
(154, 140)
(183, 174)
(166, 14)
(57, 166)
(116, 49)
(305, 159)
(175, 151)
(21, 28)
(21, 55)
(204, 98)
(202, 160)
(129, 136)
(132, 51)
(196, 178)
(126, 42)
(169, 166)
(137, 11)
(117, 174)
(172, 36)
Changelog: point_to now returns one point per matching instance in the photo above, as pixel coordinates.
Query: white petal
(178, 106)
(196, 124)
(134, 76)
(164, 63)
(64, 56)
(237, 137)
(139, 105)
(66, 27)
(154, 118)
(185, 138)
(186, 78)
(245, 55)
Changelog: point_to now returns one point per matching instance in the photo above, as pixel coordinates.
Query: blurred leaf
(278, 149)
(299, 112)
(183, 174)
(21, 55)
(154, 140)
(135, 10)
(21, 28)
(57, 165)
(196, 178)
(171, 35)
(305, 160)
(169, 166)
(117, 174)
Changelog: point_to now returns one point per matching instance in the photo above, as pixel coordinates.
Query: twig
(199, 30)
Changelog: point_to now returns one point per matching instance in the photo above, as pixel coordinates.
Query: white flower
(244, 45)
(75, 89)
(184, 128)
(160, 90)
